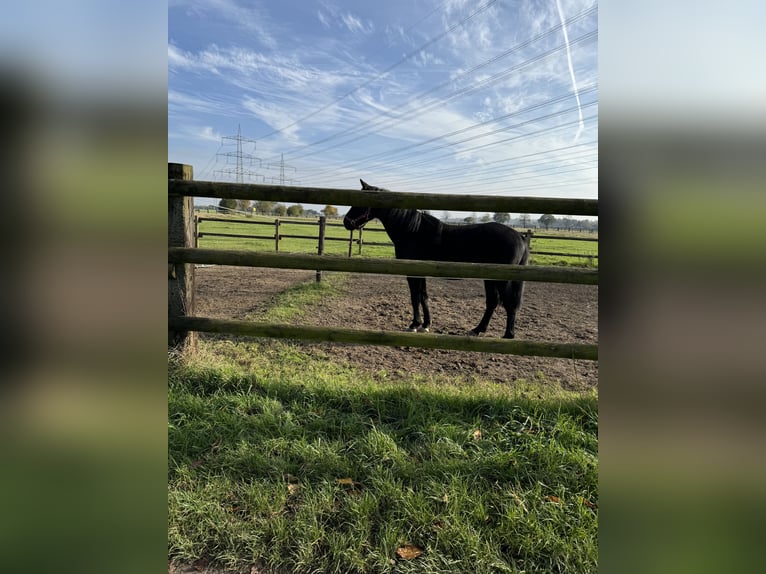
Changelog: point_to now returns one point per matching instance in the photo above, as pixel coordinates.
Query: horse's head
(358, 216)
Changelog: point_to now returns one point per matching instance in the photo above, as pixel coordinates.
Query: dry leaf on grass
(588, 503)
(293, 489)
(554, 498)
(521, 502)
(409, 551)
(477, 434)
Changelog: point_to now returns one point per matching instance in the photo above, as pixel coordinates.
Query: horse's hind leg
(426, 311)
(491, 293)
(416, 289)
(512, 295)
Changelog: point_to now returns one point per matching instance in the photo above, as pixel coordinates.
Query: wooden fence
(182, 255)
(320, 237)
(359, 241)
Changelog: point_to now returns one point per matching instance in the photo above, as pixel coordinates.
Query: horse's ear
(365, 185)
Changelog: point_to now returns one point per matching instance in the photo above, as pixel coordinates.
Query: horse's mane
(411, 220)
(414, 221)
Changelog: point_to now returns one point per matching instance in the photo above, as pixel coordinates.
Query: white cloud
(180, 102)
(274, 115)
(208, 133)
(249, 17)
(355, 25)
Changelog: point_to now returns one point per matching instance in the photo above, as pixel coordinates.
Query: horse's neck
(398, 223)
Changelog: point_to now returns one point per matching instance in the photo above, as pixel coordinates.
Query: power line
(385, 72)
(461, 76)
(470, 89)
(409, 147)
(419, 162)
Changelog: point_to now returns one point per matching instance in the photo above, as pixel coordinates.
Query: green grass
(373, 232)
(293, 301)
(283, 458)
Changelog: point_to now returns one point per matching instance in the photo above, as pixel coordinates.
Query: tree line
(546, 220)
(524, 220)
(274, 208)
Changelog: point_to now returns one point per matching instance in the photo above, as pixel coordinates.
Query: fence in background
(359, 241)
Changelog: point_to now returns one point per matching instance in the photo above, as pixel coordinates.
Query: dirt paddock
(549, 312)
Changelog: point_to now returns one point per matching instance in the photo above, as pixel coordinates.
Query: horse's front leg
(416, 289)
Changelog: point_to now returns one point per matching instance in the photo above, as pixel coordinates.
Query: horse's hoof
(472, 333)
(412, 329)
(423, 329)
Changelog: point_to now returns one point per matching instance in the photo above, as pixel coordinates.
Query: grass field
(373, 232)
(285, 460)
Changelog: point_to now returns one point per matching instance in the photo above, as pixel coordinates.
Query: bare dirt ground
(549, 312)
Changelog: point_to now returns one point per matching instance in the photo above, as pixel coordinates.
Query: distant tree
(567, 222)
(311, 213)
(469, 219)
(330, 211)
(227, 204)
(264, 207)
(546, 220)
(501, 217)
(243, 204)
(485, 218)
(524, 220)
(279, 210)
(295, 210)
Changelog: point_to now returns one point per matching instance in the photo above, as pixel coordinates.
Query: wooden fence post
(181, 233)
(320, 246)
(276, 235)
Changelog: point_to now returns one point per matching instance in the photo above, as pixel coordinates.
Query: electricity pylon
(242, 161)
(282, 167)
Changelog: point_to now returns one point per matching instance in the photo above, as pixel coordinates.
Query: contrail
(571, 70)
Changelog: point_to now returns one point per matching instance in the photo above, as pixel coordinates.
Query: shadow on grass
(310, 465)
(412, 417)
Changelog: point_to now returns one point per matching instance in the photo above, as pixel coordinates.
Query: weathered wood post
(276, 235)
(320, 246)
(181, 233)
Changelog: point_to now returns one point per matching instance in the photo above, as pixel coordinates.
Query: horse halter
(364, 218)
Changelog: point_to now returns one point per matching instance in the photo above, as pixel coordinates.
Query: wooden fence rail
(388, 338)
(182, 324)
(442, 201)
(384, 266)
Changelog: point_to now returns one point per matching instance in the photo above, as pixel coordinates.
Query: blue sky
(457, 96)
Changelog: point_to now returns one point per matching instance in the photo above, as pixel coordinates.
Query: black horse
(418, 235)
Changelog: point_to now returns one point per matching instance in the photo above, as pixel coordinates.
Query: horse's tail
(527, 239)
